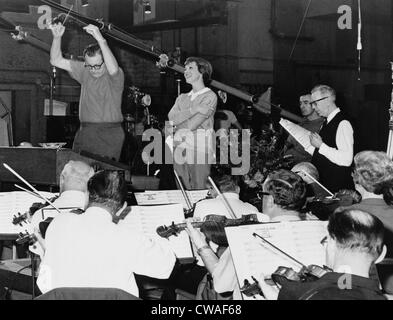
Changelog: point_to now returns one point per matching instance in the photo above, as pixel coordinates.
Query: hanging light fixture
(85, 3)
(147, 7)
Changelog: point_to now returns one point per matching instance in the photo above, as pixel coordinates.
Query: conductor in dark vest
(333, 153)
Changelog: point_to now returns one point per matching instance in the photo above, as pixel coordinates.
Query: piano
(43, 166)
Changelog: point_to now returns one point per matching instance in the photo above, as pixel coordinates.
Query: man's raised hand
(95, 32)
(57, 29)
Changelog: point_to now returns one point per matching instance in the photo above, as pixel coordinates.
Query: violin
(36, 206)
(323, 207)
(175, 229)
(306, 274)
(284, 274)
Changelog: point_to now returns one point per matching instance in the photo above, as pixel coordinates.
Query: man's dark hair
(204, 67)
(92, 50)
(287, 189)
(223, 178)
(357, 230)
(107, 188)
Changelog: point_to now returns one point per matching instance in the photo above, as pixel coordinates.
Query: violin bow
(278, 249)
(29, 185)
(225, 201)
(183, 191)
(317, 182)
(27, 191)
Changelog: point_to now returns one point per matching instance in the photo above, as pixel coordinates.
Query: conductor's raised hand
(95, 32)
(57, 29)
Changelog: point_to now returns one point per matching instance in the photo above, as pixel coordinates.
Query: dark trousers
(102, 139)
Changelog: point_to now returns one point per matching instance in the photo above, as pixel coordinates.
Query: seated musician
(309, 173)
(73, 194)
(89, 250)
(354, 242)
(229, 187)
(373, 178)
(285, 195)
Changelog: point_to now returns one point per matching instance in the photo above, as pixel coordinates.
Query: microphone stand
(189, 211)
(52, 89)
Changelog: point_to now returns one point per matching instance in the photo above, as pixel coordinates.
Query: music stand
(9, 127)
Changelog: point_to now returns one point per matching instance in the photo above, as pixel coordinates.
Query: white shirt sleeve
(155, 258)
(224, 274)
(343, 155)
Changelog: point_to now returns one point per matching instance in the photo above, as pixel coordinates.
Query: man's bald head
(75, 176)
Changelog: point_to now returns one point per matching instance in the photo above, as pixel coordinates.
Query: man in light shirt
(73, 195)
(91, 251)
(228, 186)
(333, 153)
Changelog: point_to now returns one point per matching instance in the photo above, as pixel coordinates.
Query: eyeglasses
(316, 101)
(95, 67)
(324, 240)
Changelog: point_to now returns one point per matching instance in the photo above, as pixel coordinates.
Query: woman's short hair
(373, 170)
(223, 178)
(287, 189)
(204, 67)
(357, 230)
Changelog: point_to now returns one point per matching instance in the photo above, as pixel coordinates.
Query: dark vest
(331, 175)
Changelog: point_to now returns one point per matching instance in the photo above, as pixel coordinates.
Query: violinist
(309, 173)
(353, 243)
(373, 178)
(90, 250)
(73, 194)
(229, 187)
(284, 195)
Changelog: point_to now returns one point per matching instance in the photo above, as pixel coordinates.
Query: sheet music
(147, 219)
(252, 257)
(12, 203)
(300, 134)
(169, 196)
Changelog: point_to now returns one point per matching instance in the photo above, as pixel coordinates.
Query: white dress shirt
(343, 155)
(89, 250)
(216, 206)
